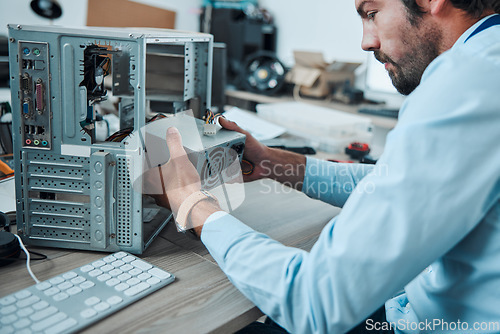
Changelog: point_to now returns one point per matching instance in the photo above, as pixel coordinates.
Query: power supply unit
(74, 190)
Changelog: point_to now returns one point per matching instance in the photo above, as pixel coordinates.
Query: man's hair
(475, 8)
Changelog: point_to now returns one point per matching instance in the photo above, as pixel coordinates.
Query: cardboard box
(316, 77)
(124, 13)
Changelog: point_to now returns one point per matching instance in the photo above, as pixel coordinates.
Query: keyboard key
(119, 255)
(52, 291)
(87, 268)
(101, 307)
(78, 280)
(136, 289)
(161, 274)
(43, 314)
(128, 259)
(22, 323)
(24, 331)
(25, 312)
(103, 277)
(56, 280)
(153, 280)
(7, 300)
(61, 296)
(7, 310)
(124, 277)
(126, 267)
(22, 294)
(144, 276)
(74, 290)
(65, 285)
(115, 272)
(141, 265)
(117, 263)
(92, 301)
(113, 282)
(107, 267)
(69, 275)
(98, 264)
(40, 305)
(133, 281)
(41, 325)
(27, 302)
(114, 300)
(95, 273)
(43, 286)
(121, 287)
(87, 285)
(109, 259)
(88, 313)
(135, 272)
(8, 319)
(6, 330)
(62, 326)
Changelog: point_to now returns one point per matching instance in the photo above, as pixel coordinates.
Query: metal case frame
(73, 191)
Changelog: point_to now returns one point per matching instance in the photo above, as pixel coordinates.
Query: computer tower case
(74, 190)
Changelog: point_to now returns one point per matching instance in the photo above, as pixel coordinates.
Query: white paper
(8, 195)
(258, 127)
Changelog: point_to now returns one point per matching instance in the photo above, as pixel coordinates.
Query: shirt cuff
(219, 232)
(310, 177)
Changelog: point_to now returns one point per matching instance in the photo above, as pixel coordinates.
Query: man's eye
(371, 15)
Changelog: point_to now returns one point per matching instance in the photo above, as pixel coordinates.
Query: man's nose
(370, 41)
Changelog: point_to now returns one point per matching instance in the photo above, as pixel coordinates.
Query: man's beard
(407, 72)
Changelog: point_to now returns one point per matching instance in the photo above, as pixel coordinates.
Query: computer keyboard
(80, 297)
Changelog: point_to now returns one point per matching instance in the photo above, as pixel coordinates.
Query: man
(430, 223)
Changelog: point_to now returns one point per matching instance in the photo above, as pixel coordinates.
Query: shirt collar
(468, 32)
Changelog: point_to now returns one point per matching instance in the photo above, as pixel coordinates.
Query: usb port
(27, 64)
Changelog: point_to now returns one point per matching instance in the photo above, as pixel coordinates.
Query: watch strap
(188, 205)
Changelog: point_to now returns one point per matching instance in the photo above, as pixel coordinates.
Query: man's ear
(433, 7)
(437, 6)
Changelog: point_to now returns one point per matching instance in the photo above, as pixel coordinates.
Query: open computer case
(72, 189)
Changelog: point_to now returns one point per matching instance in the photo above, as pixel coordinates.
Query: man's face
(406, 49)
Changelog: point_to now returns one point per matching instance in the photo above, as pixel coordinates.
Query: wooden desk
(248, 101)
(201, 300)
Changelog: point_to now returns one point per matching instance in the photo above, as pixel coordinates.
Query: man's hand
(255, 153)
(280, 165)
(174, 181)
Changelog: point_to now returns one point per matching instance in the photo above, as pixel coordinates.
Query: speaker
(263, 73)
(49, 9)
(9, 245)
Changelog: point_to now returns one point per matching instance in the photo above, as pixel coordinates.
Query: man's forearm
(285, 167)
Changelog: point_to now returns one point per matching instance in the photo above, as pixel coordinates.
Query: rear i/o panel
(34, 95)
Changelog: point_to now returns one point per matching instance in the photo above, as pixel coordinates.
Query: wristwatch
(188, 205)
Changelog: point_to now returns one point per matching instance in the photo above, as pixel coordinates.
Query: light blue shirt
(425, 219)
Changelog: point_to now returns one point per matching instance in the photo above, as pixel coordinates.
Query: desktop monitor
(378, 85)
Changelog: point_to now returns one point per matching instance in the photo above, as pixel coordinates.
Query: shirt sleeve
(332, 182)
(435, 181)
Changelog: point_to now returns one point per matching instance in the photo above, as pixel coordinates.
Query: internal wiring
(120, 135)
